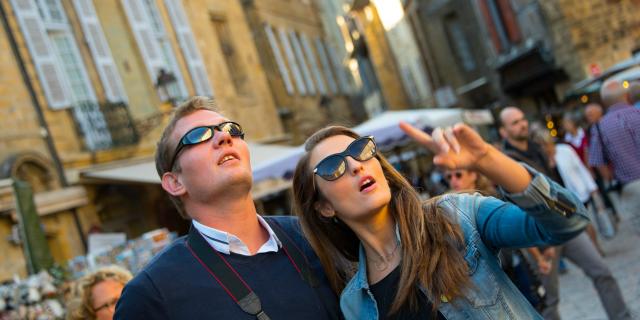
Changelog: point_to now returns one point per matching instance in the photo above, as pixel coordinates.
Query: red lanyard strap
(295, 255)
(225, 275)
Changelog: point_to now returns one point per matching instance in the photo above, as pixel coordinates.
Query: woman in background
(99, 293)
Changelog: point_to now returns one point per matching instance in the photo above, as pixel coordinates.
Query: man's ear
(172, 185)
(325, 209)
(503, 132)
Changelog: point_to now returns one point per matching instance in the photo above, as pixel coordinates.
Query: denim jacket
(546, 214)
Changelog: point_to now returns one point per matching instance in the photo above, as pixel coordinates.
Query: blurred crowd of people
(598, 159)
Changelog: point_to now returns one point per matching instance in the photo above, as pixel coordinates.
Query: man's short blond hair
(166, 147)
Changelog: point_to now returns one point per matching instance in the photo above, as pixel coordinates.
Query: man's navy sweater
(174, 285)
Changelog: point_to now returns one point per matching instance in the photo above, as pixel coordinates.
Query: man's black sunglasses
(335, 165)
(204, 133)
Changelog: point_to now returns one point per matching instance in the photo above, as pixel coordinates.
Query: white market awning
(277, 162)
(144, 171)
(383, 127)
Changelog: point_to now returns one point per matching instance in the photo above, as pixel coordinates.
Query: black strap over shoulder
(233, 283)
(225, 275)
(298, 258)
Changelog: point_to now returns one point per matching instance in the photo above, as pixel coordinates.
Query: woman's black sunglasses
(450, 176)
(335, 165)
(204, 133)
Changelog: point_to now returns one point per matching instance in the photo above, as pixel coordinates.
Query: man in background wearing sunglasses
(204, 165)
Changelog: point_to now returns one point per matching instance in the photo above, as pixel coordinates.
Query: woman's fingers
(440, 141)
(418, 135)
(451, 139)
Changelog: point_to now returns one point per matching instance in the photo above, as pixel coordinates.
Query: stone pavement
(578, 298)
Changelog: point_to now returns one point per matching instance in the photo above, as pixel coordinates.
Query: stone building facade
(87, 84)
(588, 33)
(310, 84)
(490, 53)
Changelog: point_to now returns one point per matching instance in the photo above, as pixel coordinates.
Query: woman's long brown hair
(432, 244)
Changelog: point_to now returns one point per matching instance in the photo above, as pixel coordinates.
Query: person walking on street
(593, 113)
(615, 141)
(579, 181)
(580, 250)
(234, 264)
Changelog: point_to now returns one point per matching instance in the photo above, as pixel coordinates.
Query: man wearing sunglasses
(203, 162)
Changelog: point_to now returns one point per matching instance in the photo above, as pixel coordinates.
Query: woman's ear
(172, 185)
(325, 209)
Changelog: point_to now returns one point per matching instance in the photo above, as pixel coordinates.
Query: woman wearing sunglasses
(468, 180)
(424, 260)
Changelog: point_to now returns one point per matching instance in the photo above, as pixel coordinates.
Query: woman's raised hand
(457, 147)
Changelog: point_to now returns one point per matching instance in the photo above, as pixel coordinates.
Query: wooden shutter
(277, 54)
(51, 78)
(314, 64)
(189, 48)
(107, 70)
(140, 24)
(293, 64)
(297, 50)
(326, 66)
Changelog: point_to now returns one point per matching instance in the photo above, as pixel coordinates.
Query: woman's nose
(353, 165)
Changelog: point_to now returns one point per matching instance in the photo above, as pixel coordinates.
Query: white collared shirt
(575, 175)
(226, 243)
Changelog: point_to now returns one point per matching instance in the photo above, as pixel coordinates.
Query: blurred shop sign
(594, 70)
(477, 117)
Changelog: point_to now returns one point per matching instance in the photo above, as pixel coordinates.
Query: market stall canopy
(276, 162)
(144, 171)
(383, 127)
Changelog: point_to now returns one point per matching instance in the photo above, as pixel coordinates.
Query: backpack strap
(225, 275)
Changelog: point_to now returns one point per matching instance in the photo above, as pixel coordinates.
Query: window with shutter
(291, 59)
(277, 54)
(107, 70)
(189, 48)
(326, 66)
(51, 79)
(311, 58)
(297, 50)
(61, 68)
(156, 51)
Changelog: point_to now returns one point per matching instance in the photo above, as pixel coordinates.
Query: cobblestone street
(579, 299)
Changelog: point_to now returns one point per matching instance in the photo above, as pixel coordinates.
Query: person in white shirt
(580, 250)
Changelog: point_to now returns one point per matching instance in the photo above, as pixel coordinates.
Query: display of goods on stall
(37, 297)
(132, 255)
